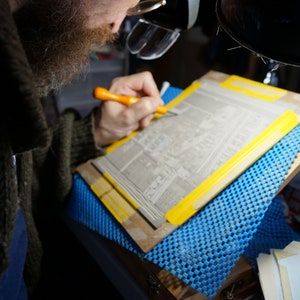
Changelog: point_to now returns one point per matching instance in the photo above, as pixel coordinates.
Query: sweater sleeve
(80, 133)
(73, 139)
(71, 143)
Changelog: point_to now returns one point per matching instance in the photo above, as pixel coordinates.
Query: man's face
(58, 35)
(110, 12)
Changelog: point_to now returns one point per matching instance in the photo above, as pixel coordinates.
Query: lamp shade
(269, 28)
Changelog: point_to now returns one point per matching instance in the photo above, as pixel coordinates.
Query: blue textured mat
(203, 251)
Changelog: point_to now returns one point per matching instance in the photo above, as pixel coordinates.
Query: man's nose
(115, 27)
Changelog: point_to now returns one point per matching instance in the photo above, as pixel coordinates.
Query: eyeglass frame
(145, 6)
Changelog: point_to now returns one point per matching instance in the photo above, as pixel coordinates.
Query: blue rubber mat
(203, 251)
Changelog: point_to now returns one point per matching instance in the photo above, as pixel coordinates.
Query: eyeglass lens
(150, 41)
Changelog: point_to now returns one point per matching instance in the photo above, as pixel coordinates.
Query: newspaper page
(166, 161)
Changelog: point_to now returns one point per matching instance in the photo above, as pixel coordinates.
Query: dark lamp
(269, 28)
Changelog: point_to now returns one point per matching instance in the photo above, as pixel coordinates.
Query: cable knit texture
(45, 153)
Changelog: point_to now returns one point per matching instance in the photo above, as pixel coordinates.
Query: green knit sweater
(45, 153)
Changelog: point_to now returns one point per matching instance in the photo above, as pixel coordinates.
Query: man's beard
(56, 42)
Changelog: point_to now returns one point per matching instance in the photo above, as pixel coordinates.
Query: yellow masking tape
(118, 206)
(253, 88)
(121, 191)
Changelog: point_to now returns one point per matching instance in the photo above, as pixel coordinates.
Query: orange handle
(101, 93)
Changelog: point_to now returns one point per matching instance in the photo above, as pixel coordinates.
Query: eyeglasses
(147, 40)
(145, 6)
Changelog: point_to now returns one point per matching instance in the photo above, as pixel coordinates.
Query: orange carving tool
(103, 94)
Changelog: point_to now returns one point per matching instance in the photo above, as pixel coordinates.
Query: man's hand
(114, 121)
